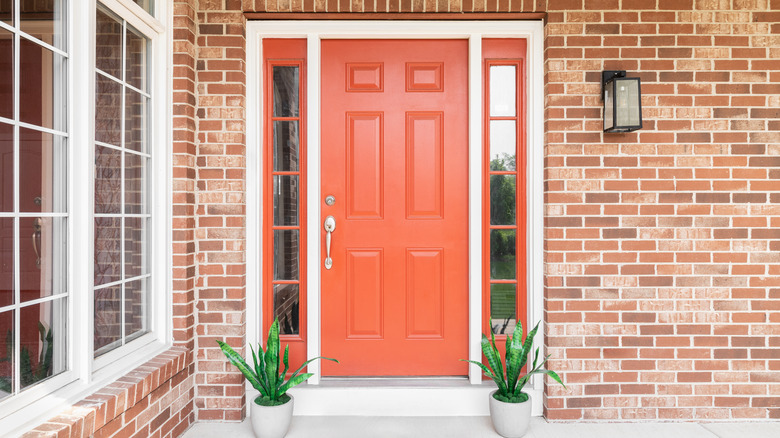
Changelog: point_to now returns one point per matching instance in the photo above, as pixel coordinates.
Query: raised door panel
(365, 293)
(365, 165)
(424, 165)
(424, 293)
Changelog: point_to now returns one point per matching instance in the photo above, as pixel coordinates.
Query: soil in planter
(265, 401)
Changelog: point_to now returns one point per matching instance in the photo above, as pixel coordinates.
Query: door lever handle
(330, 225)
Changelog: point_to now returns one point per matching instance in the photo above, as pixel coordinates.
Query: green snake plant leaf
(529, 340)
(294, 381)
(259, 371)
(514, 359)
(272, 358)
(286, 364)
(308, 362)
(242, 366)
(550, 373)
(494, 360)
(486, 370)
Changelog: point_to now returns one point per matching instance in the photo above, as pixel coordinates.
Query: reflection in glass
(148, 5)
(285, 254)
(136, 132)
(503, 144)
(135, 245)
(43, 167)
(108, 44)
(42, 257)
(108, 110)
(6, 167)
(286, 308)
(502, 199)
(286, 91)
(135, 308)
(135, 183)
(285, 200)
(286, 146)
(7, 16)
(137, 50)
(108, 259)
(502, 255)
(6, 74)
(42, 333)
(42, 80)
(46, 22)
(6, 354)
(108, 308)
(6, 263)
(108, 180)
(502, 308)
(503, 91)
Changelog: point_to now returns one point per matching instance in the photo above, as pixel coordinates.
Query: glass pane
(609, 121)
(136, 106)
(627, 100)
(503, 144)
(502, 254)
(285, 255)
(108, 44)
(502, 308)
(108, 110)
(135, 308)
(6, 354)
(137, 49)
(42, 256)
(286, 308)
(135, 183)
(42, 332)
(135, 245)
(6, 167)
(286, 200)
(42, 168)
(6, 74)
(286, 91)
(108, 180)
(45, 20)
(108, 239)
(42, 82)
(502, 199)
(6, 263)
(503, 91)
(7, 16)
(148, 5)
(286, 146)
(108, 318)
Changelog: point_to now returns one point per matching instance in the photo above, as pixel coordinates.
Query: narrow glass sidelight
(284, 181)
(504, 252)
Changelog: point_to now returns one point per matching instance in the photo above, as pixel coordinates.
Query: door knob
(330, 225)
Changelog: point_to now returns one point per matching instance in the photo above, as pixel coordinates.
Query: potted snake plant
(510, 407)
(271, 412)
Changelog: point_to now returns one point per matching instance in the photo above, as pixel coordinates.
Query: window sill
(117, 404)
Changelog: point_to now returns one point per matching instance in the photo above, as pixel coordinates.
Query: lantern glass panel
(609, 107)
(627, 101)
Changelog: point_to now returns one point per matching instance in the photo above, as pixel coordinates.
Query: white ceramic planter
(510, 419)
(271, 421)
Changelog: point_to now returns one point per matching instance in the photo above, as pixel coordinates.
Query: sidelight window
(505, 209)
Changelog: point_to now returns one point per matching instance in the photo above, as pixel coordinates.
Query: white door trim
(473, 31)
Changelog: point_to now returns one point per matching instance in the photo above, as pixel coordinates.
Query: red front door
(394, 158)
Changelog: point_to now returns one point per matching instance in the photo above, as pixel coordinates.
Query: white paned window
(83, 195)
(122, 213)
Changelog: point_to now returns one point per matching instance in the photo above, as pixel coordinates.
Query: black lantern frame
(612, 81)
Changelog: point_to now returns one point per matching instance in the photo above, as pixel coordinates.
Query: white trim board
(474, 32)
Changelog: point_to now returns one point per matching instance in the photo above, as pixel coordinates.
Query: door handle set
(330, 225)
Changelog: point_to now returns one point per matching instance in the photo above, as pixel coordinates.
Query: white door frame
(473, 31)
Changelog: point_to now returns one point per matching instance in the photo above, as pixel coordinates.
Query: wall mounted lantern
(622, 98)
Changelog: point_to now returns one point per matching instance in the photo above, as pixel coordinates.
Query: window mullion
(122, 185)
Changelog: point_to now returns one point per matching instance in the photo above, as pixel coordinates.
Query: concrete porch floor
(480, 427)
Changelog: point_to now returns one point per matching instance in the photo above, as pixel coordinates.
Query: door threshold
(395, 382)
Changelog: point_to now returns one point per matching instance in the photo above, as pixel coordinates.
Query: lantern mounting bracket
(608, 75)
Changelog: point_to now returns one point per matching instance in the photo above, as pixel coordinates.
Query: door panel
(394, 156)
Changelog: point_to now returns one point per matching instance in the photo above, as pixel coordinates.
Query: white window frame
(86, 374)
(315, 31)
